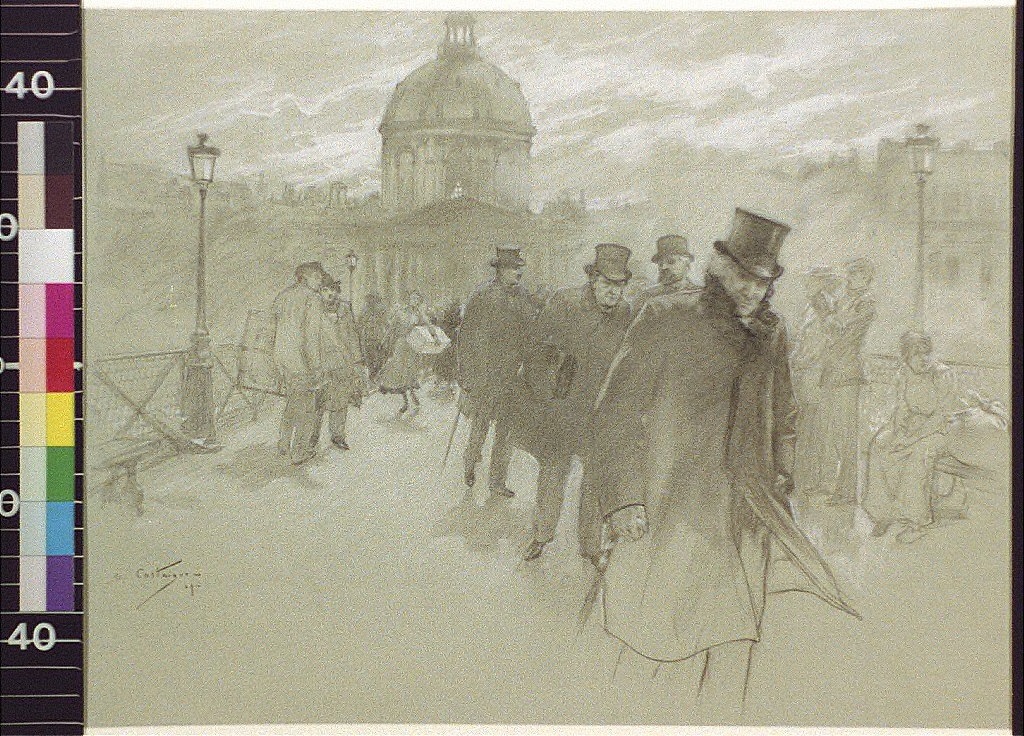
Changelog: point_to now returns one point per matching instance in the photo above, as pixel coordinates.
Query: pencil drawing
(576, 368)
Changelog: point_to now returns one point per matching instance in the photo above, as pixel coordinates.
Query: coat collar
(717, 304)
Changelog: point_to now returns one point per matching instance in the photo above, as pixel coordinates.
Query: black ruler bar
(41, 652)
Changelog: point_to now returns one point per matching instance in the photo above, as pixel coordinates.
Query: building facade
(967, 235)
(458, 125)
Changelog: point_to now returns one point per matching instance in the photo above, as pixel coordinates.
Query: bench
(122, 464)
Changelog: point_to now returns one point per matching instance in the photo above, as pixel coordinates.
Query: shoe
(471, 477)
(502, 492)
(340, 444)
(533, 550)
(838, 501)
(880, 529)
(303, 458)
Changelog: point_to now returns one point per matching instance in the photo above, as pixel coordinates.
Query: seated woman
(933, 419)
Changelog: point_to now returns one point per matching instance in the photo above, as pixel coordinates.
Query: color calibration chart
(41, 499)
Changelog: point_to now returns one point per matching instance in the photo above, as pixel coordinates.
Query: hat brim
(761, 272)
(518, 263)
(620, 277)
(659, 257)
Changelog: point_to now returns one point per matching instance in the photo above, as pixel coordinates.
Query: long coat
(339, 345)
(572, 323)
(297, 350)
(491, 341)
(697, 425)
(846, 331)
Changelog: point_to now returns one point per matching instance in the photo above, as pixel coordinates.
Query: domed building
(457, 126)
(455, 184)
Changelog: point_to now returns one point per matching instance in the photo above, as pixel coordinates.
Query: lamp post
(351, 260)
(921, 147)
(197, 398)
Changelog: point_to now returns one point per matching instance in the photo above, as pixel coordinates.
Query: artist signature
(170, 577)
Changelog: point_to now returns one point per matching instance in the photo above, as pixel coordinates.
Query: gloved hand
(630, 523)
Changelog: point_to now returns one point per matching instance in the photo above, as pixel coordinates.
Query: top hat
(754, 244)
(507, 257)
(822, 273)
(860, 265)
(671, 245)
(610, 260)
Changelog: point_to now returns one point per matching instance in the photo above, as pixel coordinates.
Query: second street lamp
(197, 397)
(921, 147)
(352, 260)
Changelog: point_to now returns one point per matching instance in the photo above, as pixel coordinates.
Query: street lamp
(921, 147)
(197, 397)
(352, 260)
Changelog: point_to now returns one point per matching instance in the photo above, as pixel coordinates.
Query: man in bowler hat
(673, 258)
(693, 453)
(491, 340)
(578, 332)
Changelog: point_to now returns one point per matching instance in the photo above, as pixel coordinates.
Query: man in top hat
(674, 259)
(491, 340)
(842, 376)
(693, 455)
(572, 344)
(822, 288)
(298, 358)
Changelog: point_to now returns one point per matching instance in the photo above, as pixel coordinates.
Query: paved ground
(362, 587)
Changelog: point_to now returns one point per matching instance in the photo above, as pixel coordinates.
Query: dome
(458, 90)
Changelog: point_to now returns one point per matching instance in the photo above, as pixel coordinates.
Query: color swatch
(46, 319)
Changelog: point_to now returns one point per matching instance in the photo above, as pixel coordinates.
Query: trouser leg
(848, 444)
(501, 456)
(337, 421)
(307, 419)
(723, 684)
(590, 517)
(550, 491)
(284, 440)
(475, 447)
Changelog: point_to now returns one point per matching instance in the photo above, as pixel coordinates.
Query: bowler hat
(311, 267)
(610, 260)
(671, 245)
(507, 257)
(754, 244)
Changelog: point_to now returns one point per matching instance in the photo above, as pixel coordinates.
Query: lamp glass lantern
(921, 147)
(202, 159)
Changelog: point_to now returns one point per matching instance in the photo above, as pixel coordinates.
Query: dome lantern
(459, 36)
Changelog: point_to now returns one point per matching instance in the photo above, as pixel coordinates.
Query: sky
(299, 95)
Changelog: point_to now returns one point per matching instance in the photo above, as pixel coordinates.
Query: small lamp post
(352, 261)
(921, 147)
(197, 397)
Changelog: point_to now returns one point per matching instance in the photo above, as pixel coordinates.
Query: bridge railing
(134, 400)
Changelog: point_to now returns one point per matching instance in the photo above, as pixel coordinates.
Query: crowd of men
(694, 417)
(679, 406)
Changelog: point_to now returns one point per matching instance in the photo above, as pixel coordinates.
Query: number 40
(41, 85)
(44, 636)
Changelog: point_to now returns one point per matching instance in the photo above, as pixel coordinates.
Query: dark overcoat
(491, 341)
(573, 324)
(696, 423)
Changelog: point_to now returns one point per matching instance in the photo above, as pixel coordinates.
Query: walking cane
(451, 434)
